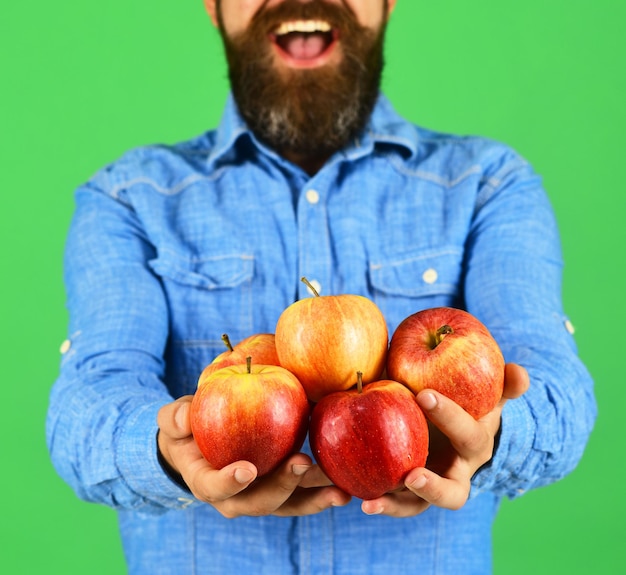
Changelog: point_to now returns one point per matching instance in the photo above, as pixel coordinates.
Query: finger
(218, 485)
(174, 428)
(173, 418)
(516, 381)
(400, 504)
(308, 501)
(315, 477)
(436, 490)
(270, 492)
(466, 435)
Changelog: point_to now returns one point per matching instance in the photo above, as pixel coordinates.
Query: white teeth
(303, 26)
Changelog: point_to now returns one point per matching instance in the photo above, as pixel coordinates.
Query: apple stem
(359, 381)
(307, 283)
(441, 333)
(226, 341)
(249, 364)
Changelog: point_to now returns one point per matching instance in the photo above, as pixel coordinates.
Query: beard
(307, 112)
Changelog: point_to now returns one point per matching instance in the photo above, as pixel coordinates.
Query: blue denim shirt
(171, 246)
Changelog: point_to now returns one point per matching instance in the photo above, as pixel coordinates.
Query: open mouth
(305, 43)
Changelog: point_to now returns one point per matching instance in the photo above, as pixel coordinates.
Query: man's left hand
(459, 446)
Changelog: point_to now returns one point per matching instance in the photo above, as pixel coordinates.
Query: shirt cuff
(138, 461)
(501, 475)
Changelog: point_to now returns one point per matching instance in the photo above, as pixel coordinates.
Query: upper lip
(305, 26)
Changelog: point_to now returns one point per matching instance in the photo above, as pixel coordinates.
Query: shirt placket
(315, 257)
(316, 544)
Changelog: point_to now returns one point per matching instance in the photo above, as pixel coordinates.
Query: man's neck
(310, 164)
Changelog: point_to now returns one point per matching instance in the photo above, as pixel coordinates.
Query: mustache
(268, 18)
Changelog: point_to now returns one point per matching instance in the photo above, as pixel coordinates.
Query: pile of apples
(331, 370)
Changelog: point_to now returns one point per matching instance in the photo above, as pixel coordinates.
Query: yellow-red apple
(256, 413)
(325, 340)
(261, 347)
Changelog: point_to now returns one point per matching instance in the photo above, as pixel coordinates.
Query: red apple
(256, 413)
(451, 351)
(325, 340)
(367, 440)
(260, 347)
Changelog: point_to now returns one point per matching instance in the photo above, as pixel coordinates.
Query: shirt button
(569, 326)
(65, 346)
(185, 502)
(430, 276)
(316, 286)
(312, 197)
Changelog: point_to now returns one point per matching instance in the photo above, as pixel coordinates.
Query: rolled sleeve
(138, 461)
(513, 453)
(513, 285)
(102, 415)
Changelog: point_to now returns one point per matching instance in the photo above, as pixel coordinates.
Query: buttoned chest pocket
(409, 282)
(207, 297)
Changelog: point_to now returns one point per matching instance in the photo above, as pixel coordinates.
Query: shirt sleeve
(513, 284)
(102, 417)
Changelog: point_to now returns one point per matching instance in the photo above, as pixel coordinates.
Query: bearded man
(311, 172)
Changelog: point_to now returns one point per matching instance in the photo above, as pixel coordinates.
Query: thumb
(173, 418)
(516, 381)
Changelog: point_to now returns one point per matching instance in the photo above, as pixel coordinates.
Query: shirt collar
(385, 126)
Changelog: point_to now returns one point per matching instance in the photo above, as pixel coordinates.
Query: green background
(83, 81)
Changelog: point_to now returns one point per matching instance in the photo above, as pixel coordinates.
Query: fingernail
(419, 482)
(182, 416)
(300, 469)
(375, 511)
(427, 401)
(243, 475)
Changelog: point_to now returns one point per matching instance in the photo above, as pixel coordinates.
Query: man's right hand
(297, 487)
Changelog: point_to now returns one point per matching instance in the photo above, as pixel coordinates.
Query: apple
(325, 340)
(260, 346)
(367, 439)
(451, 351)
(251, 412)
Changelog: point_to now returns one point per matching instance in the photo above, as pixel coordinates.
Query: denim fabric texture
(171, 246)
